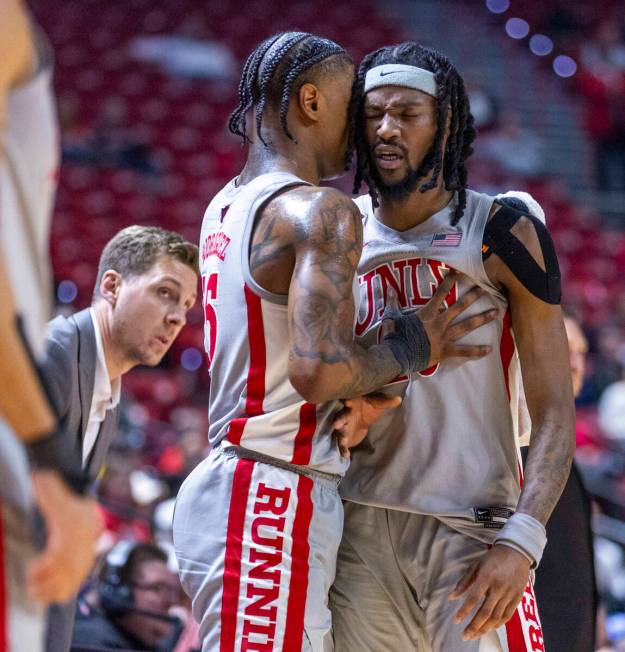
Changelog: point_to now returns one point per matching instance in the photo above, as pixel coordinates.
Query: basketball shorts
(256, 546)
(395, 571)
(22, 622)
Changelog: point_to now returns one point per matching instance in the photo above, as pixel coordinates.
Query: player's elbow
(311, 381)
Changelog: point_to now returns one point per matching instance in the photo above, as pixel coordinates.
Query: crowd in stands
(142, 145)
(594, 35)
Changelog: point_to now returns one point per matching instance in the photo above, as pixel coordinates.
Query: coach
(146, 284)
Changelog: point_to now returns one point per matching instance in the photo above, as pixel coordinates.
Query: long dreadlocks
(276, 70)
(451, 96)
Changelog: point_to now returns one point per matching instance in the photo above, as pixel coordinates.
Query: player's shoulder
(309, 205)
(316, 215)
(522, 202)
(314, 196)
(517, 233)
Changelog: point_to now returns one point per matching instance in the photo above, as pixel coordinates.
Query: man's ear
(309, 102)
(109, 286)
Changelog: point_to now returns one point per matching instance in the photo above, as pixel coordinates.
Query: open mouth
(388, 158)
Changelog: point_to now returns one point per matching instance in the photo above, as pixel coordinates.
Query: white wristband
(524, 534)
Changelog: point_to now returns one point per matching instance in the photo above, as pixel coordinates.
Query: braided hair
(450, 95)
(276, 70)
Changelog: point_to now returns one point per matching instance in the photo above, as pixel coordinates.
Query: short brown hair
(134, 250)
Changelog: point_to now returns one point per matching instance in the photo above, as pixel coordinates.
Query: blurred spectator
(612, 411)
(608, 361)
(518, 150)
(578, 349)
(483, 106)
(111, 143)
(123, 516)
(178, 460)
(602, 83)
(136, 593)
(187, 57)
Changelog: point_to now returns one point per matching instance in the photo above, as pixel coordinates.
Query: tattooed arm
(324, 361)
(307, 243)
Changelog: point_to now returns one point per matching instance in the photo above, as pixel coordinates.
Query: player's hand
(495, 583)
(352, 423)
(73, 526)
(443, 334)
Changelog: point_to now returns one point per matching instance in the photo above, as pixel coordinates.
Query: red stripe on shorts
(302, 447)
(258, 364)
(506, 348)
(298, 585)
(234, 544)
(4, 634)
(514, 634)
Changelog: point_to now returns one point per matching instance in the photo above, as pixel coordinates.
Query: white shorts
(256, 546)
(394, 573)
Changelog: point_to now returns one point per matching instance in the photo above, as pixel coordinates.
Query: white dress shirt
(105, 395)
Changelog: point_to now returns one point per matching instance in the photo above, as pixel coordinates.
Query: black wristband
(409, 343)
(48, 452)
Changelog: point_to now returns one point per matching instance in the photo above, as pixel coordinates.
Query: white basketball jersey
(452, 447)
(252, 402)
(29, 160)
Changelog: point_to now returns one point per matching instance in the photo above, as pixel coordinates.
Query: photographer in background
(136, 592)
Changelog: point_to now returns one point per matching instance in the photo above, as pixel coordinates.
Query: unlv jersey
(252, 402)
(451, 448)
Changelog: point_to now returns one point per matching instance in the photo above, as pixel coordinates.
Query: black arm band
(409, 343)
(49, 452)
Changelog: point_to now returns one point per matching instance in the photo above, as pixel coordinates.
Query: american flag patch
(446, 239)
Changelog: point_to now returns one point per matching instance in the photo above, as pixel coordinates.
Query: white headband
(397, 74)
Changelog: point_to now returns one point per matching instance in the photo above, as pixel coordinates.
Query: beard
(401, 190)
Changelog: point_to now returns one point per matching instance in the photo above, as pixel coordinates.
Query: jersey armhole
(257, 206)
(478, 262)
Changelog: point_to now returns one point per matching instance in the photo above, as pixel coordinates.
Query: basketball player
(28, 161)
(257, 524)
(435, 511)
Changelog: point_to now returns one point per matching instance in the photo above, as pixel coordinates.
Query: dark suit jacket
(69, 368)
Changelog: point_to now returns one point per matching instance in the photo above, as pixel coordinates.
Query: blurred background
(144, 88)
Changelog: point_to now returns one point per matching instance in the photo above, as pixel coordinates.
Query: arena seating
(181, 122)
